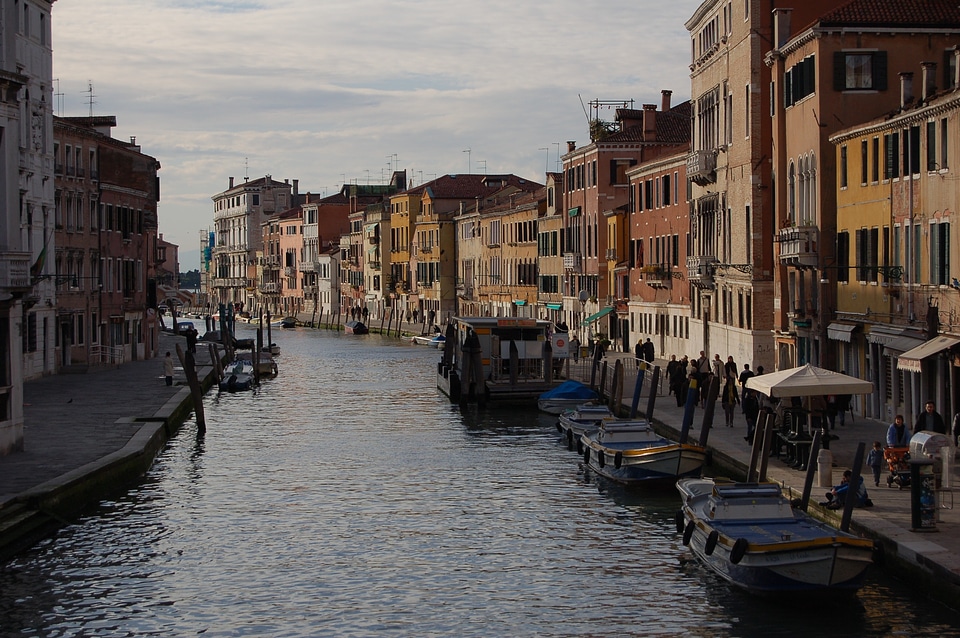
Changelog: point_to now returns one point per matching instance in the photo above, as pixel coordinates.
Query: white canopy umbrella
(807, 381)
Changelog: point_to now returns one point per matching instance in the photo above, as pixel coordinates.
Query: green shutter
(880, 70)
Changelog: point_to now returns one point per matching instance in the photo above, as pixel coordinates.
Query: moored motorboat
(631, 453)
(237, 376)
(288, 322)
(750, 535)
(355, 328)
(265, 366)
(568, 394)
(575, 422)
(272, 349)
(434, 341)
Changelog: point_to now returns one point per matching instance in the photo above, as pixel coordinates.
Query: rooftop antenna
(484, 165)
(246, 169)
(90, 100)
(468, 160)
(57, 98)
(557, 144)
(546, 161)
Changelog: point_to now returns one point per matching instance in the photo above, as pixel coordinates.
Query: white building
(27, 339)
(238, 216)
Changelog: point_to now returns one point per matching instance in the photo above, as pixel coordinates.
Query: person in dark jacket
(930, 420)
(648, 351)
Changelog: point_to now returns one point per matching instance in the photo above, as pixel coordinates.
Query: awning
(910, 360)
(554, 306)
(901, 344)
(841, 331)
(520, 302)
(597, 315)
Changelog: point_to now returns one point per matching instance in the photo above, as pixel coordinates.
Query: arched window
(792, 194)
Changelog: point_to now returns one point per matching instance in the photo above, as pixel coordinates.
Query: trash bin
(825, 468)
(923, 498)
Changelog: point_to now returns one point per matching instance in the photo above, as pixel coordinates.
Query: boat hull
(632, 466)
(757, 542)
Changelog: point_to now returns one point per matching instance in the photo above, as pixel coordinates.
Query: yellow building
(898, 304)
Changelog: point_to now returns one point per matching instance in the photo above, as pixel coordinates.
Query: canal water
(348, 498)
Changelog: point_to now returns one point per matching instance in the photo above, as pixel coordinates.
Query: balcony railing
(289, 271)
(700, 270)
(307, 266)
(572, 261)
(659, 276)
(15, 271)
(799, 245)
(702, 167)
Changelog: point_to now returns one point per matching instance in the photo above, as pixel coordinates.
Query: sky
(329, 92)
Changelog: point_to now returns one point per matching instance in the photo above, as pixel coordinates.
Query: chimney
(231, 183)
(571, 146)
(781, 26)
(929, 79)
(906, 88)
(665, 100)
(649, 122)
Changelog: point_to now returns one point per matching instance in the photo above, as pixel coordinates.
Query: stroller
(897, 459)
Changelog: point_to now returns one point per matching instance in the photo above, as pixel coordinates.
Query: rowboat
(750, 535)
(630, 452)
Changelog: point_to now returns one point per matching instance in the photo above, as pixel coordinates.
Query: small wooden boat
(288, 322)
(631, 453)
(573, 423)
(355, 328)
(266, 367)
(750, 535)
(568, 394)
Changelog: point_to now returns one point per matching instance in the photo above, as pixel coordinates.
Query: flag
(37, 268)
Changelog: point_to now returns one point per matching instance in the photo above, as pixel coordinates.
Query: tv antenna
(57, 98)
(90, 96)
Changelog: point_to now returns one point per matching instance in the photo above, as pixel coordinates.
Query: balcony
(572, 261)
(15, 271)
(309, 291)
(700, 270)
(799, 246)
(657, 276)
(307, 266)
(702, 167)
(270, 288)
(289, 271)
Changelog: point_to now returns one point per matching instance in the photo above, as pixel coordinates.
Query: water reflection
(347, 498)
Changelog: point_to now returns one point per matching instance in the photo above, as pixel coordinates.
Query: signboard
(560, 344)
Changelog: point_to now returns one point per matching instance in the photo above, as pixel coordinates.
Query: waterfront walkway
(930, 558)
(76, 425)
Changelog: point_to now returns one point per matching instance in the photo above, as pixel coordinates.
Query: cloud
(330, 91)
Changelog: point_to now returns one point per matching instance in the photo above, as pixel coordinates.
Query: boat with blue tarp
(568, 394)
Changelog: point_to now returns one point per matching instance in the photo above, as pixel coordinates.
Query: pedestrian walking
(168, 369)
(875, 461)
(730, 399)
(575, 347)
(751, 411)
(930, 420)
(648, 351)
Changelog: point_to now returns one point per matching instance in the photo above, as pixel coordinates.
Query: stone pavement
(929, 558)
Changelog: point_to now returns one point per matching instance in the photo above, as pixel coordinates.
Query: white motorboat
(630, 452)
(749, 534)
(574, 422)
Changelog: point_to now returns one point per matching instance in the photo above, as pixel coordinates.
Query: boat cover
(570, 390)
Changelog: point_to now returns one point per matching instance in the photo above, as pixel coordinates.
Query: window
(875, 161)
(911, 151)
(891, 150)
(931, 146)
(800, 81)
(944, 164)
(747, 112)
(863, 162)
(843, 257)
(843, 166)
(940, 254)
(860, 71)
